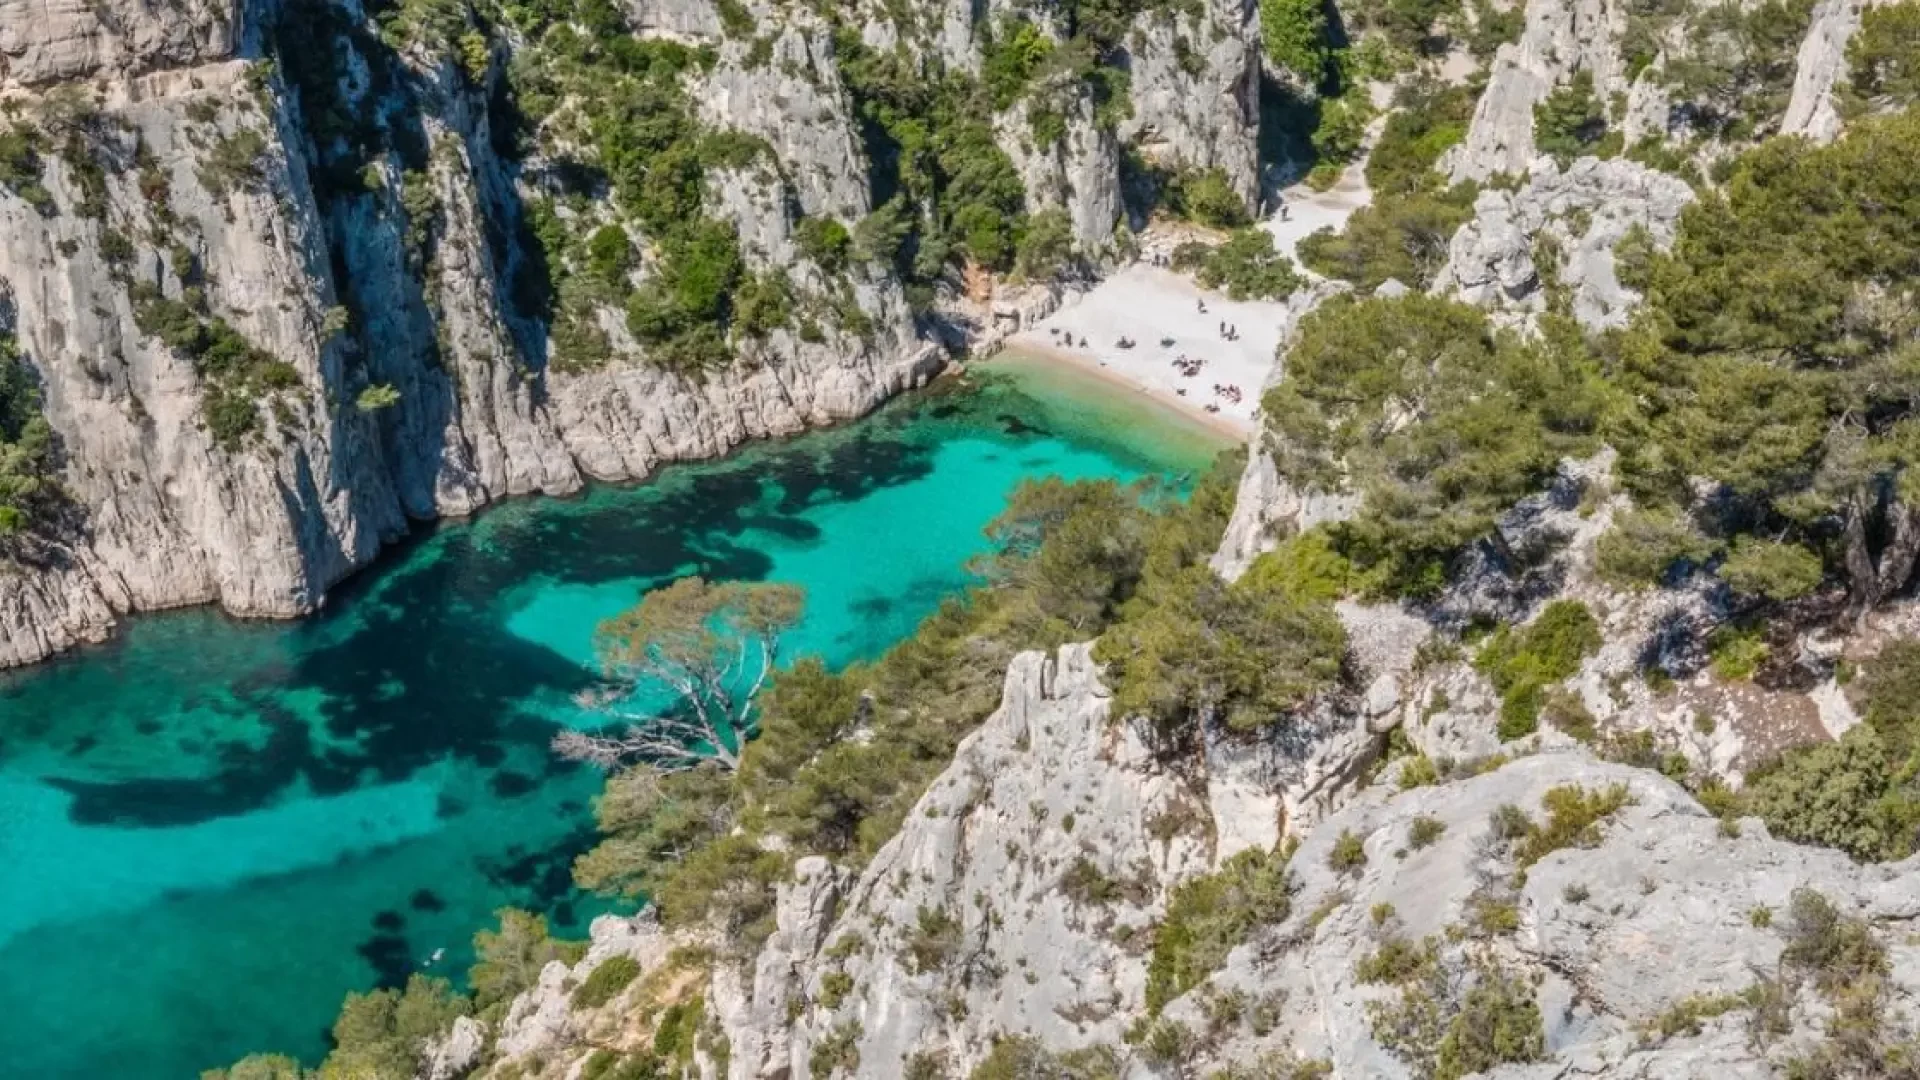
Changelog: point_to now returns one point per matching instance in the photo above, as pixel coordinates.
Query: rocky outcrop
(1581, 213)
(1819, 68)
(1561, 37)
(1021, 894)
(1195, 73)
(46, 40)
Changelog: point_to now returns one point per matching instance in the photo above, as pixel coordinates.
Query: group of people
(1188, 366)
(1229, 332)
(1068, 342)
(1228, 391)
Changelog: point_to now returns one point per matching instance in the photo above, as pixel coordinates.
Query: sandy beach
(1167, 316)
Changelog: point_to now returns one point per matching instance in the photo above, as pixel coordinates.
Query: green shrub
(1498, 1023)
(1833, 949)
(1428, 121)
(837, 1051)
(1424, 831)
(1570, 122)
(935, 938)
(1306, 567)
(1643, 546)
(1402, 240)
(1208, 198)
(1398, 961)
(1248, 267)
(1773, 570)
(1883, 58)
(1294, 35)
(824, 240)
(28, 486)
(1419, 771)
(1522, 663)
(1208, 916)
(1574, 816)
(1349, 852)
(376, 398)
(1737, 651)
(606, 981)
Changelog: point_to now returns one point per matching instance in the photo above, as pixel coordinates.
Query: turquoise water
(211, 830)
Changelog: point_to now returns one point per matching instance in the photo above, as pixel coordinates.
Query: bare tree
(712, 646)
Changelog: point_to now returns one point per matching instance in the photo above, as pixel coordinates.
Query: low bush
(1208, 916)
(606, 981)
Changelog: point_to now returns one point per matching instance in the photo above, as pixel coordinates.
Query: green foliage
(1403, 239)
(824, 240)
(1306, 567)
(1339, 134)
(1348, 854)
(1766, 359)
(1208, 198)
(1498, 1023)
(236, 373)
(28, 486)
(610, 256)
(1740, 72)
(837, 1050)
(376, 398)
(21, 166)
(258, 1067)
(1737, 651)
(933, 941)
(606, 981)
(1202, 652)
(1574, 816)
(508, 960)
(1522, 663)
(1570, 122)
(1398, 961)
(1643, 547)
(1294, 35)
(932, 145)
(1497, 413)
(1010, 56)
(1409, 25)
(1046, 248)
(1428, 119)
(1883, 58)
(1424, 831)
(1770, 569)
(1208, 916)
(1833, 949)
(1248, 267)
(383, 1033)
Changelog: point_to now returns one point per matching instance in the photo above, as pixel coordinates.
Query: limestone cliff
(348, 207)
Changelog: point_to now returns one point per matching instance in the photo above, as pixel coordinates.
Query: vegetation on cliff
(28, 483)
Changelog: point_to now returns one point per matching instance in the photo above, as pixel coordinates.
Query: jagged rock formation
(1016, 898)
(1581, 213)
(1561, 37)
(1819, 68)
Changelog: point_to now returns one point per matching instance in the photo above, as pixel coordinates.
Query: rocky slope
(185, 165)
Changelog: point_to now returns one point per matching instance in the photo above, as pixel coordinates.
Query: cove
(211, 830)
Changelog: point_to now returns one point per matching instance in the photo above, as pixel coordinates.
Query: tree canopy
(709, 648)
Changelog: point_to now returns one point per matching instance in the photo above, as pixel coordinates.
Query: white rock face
(1586, 210)
(45, 40)
(1201, 119)
(1820, 66)
(1561, 37)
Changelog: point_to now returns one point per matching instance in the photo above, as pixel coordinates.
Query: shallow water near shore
(210, 830)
